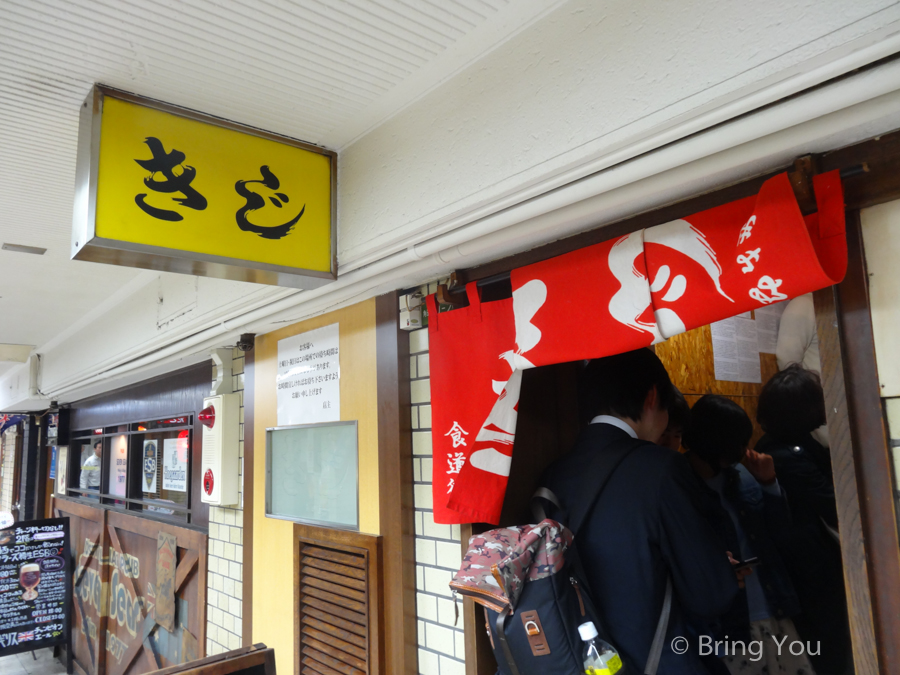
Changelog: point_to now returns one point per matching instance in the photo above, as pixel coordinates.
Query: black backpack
(531, 584)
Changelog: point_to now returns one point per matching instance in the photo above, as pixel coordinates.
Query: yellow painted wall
(273, 559)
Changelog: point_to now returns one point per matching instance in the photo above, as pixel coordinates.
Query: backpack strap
(603, 467)
(537, 507)
(500, 625)
(659, 638)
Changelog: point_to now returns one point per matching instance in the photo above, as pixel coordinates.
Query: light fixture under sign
(19, 248)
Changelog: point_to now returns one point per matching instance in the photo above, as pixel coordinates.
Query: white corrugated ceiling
(322, 71)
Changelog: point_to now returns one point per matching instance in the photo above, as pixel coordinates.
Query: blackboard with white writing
(35, 585)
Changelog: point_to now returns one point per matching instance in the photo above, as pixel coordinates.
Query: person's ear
(651, 402)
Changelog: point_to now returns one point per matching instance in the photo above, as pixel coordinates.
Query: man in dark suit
(648, 523)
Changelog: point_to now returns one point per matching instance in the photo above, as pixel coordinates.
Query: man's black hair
(618, 385)
(791, 404)
(719, 430)
(679, 411)
(96, 443)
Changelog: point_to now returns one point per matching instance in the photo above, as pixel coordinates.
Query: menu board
(35, 585)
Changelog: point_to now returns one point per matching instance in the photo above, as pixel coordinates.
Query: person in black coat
(647, 525)
(751, 513)
(791, 406)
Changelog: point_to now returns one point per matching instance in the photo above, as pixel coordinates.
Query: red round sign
(208, 481)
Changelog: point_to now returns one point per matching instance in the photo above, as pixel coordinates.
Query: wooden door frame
(65, 508)
(395, 488)
(861, 454)
(861, 458)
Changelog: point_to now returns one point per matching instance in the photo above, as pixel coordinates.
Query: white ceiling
(322, 71)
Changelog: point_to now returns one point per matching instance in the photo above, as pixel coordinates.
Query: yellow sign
(164, 188)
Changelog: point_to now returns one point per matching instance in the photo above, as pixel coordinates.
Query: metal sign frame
(86, 245)
(310, 521)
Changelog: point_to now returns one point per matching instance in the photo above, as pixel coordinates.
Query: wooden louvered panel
(336, 556)
(336, 578)
(334, 611)
(348, 626)
(335, 567)
(326, 627)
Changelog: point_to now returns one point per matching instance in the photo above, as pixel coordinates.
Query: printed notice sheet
(308, 377)
(767, 320)
(736, 350)
(175, 464)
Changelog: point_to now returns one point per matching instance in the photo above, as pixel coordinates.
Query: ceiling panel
(323, 72)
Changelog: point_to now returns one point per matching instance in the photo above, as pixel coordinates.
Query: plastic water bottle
(599, 656)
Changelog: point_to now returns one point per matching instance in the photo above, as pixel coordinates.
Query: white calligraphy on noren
(456, 434)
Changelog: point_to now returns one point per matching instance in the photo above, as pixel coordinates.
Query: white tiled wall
(225, 586)
(438, 554)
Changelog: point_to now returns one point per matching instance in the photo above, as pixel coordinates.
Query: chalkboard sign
(35, 585)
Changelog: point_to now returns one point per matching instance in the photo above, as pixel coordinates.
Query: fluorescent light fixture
(18, 248)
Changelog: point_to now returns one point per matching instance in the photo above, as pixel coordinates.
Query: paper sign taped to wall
(767, 321)
(308, 377)
(736, 350)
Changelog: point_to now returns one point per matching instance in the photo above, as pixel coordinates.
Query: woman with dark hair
(791, 406)
(749, 511)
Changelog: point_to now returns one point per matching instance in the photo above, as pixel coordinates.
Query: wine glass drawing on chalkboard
(29, 578)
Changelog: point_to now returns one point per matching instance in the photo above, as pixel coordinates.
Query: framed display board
(312, 474)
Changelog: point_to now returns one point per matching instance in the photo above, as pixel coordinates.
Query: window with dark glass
(142, 466)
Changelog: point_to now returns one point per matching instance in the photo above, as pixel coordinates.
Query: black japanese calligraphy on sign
(175, 180)
(35, 585)
(256, 201)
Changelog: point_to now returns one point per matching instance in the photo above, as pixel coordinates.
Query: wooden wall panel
(272, 541)
(88, 540)
(846, 487)
(395, 490)
(338, 602)
(871, 453)
(114, 630)
(689, 359)
(135, 642)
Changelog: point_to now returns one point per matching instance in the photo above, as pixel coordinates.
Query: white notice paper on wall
(308, 377)
(175, 464)
(767, 320)
(736, 350)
